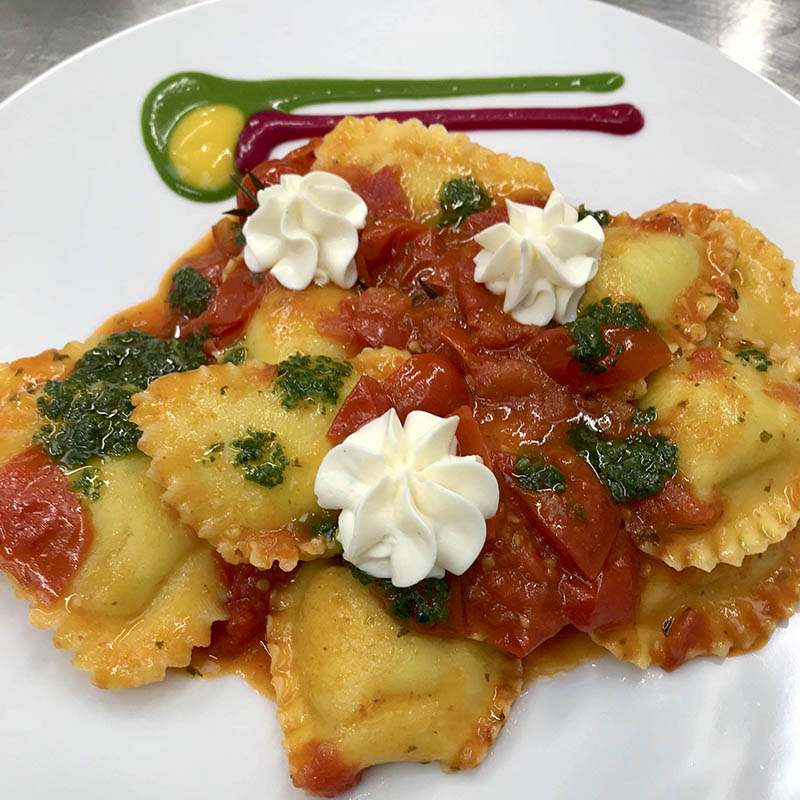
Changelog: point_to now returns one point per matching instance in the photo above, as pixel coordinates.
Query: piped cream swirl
(541, 260)
(411, 507)
(306, 229)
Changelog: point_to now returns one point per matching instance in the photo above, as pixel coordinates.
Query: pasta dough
(147, 592)
(427, 157)
(189, 420)
(286, 322)
(670, 261)
(736, 608)
(19, 384)
(738, 436)
(355, 687)
(768, 314)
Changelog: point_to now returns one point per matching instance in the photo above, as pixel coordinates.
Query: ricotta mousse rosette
(305, 229)
(540, 260)
(410, 507)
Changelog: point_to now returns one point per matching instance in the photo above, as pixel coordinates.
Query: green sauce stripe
(173, 97)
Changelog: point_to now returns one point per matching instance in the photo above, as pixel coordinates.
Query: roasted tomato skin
(234, 302)
(44, 531)
(425, 382)
(297, 162)
(634, 353)
(366, 401)
(581, 522)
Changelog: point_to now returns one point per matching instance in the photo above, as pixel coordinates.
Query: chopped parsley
(310, 380)
(587, 331)
(539, 476)
(326, 526)
(590, 346)
(261, 457)
(644, 416)
(606, 312)
(603, 217)
(425, 602)
(88, 483)
(633, 467)
(88, 412)
(190, 292)
(235, 355)
(755, 358)
(211, 452)
(459, 198)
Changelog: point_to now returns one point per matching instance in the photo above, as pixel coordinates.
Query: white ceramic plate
(88, 228)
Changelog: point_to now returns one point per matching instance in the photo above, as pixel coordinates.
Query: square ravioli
(355, 687)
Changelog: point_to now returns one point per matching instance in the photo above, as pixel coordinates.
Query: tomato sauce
(783, 392)
(247, 605)
(552, 559)
(321, 771)
(683, 635)
(707, 364)
(44, 531)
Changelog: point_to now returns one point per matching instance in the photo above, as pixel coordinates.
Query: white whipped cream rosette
(306, 229)
(411, 507)
(541, 260)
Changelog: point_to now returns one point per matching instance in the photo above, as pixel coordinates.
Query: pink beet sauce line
(267, 129)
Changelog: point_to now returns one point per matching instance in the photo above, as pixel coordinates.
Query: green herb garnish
(587, 331)
(89, 410)
(539, 476)
(426, 602)
(632, 467)
(190, 292)
(311, 380)
(590, 346)
(644, 416)
(211, 452)
(603, 217)
(755, 358)
(88, 483)
(326, 526)
(251, 196)
(261, 457)
(626, 315)
(459, 198)
(235, 355)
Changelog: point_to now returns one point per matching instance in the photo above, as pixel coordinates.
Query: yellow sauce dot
(202, 146)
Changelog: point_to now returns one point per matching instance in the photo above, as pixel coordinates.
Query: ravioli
(355, 687)
(674, 261)
(727, 611)
(19, 384)
(286, 322)
(190, 421)
(146, 593)
(427, 157)
(768, 313)
(738, 436)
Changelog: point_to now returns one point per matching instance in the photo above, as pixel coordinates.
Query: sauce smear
(212, 102)
(265, 130)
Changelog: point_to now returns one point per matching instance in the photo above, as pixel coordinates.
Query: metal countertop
(763, 35)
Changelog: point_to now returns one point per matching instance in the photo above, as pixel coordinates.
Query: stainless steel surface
(763, 35)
